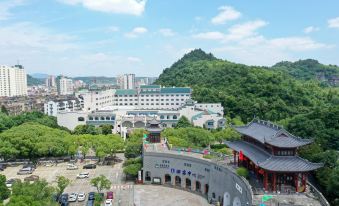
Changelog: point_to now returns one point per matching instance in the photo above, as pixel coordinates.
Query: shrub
(242, 171)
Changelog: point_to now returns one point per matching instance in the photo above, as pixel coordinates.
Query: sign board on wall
(238, 187)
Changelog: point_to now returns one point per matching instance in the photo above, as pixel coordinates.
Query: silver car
(25, 171)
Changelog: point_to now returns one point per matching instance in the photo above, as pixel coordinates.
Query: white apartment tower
(126, 81)
(13, 81)
(66, 86)
(50, 81)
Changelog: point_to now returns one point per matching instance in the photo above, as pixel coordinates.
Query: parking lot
(126, 192)
(122, 190)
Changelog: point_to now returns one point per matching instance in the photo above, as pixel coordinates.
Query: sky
(111, 37)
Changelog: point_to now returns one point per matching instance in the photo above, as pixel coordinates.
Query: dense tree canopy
(286, 93)
(38, 193)
(33, 140)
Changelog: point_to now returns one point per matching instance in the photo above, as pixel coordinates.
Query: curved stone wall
(215, 182)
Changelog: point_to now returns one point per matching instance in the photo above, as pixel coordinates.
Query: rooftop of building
(149, 86)
(270, 162)
(269, 133)
(126, 92)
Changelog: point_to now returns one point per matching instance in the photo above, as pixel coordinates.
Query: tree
(242, 171)
(106, 129)
(62, 183)
(4, 109)
(132, 169)
(183, 122)
(4, 191)
(226, 134)
(38, 193)
(101, 182)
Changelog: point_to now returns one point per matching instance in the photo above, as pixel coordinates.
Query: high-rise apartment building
(126, 81)
(65, 86)
(13, 81)
(50, 81)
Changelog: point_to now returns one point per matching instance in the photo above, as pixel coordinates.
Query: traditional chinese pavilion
(270, 152)
(154, 130)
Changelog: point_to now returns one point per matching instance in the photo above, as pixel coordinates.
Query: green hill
(246, 91)
(275, 93)
(308, 69)
(31, 81)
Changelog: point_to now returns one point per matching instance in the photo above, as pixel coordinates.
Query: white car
(73, 197)
(71, 167)
(81, 197)
(83, 175)
(108, 202)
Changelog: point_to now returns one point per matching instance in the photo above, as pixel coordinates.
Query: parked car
(2, 167)
(63, 200)
(32, 166)
(25, 171)
(71, 167)
(90, 202)
(109, 195)
(10, 182)
(89, 166)
(31, 178)
(81, 197)
(91, 196)
(73, 197)
(83, 175)
(109, 202)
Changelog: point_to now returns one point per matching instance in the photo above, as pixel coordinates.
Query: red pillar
(304, 178)
(265, 181)
(296, 181)
(274, 182)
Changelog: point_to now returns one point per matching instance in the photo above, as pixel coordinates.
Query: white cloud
(136, 32)
(113, 29)
(333, 23)
(296, 44)
(132, 7)
(133, 59)
(213, 35)
(235, 33)
(33, 37)
(167, 32)
(240, 31)
(227, 13)
(6, 6)
(310, 29)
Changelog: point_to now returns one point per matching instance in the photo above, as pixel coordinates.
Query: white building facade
(13, 81)
(52, 107)
(126, 81)
(93, 100)
(66, 86)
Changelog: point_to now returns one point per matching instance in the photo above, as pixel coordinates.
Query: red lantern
(241, 156)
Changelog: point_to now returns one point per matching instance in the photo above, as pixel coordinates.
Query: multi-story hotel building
(13, 81)
(65, 86)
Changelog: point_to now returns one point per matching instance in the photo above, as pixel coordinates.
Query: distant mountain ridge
(39, 75)
(308, 69)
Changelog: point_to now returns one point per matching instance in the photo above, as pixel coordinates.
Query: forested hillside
(304, 107)
(31, 81)
(308, 69)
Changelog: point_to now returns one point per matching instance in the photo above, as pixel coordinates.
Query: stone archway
(198, 186)
(206, 188)
(127, 124)
(178, 181)
(139, 124)
(168, 179)
(227, 199)
(236, 201)
(188, 183)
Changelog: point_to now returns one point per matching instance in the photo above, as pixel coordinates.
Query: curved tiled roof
(267, 132)
(270, 162)
(289, 164)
